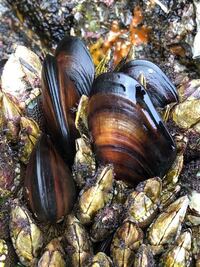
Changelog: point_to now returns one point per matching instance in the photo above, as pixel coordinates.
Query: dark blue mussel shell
(159, 87)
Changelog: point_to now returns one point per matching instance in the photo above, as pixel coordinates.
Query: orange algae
(137, 17)
(120, 40)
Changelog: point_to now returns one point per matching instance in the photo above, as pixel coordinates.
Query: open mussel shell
(49, 187)
(74, 60)
(127, 130)
(65, 78)
(158, 85)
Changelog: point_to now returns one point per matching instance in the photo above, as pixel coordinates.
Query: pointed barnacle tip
(186, 198)
(185, 201)
(60, 219)
(19, 49)
(110, 166)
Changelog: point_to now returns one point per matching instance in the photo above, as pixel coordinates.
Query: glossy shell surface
(65, 77)
(127, 130)
(49, 187)
(158, 85)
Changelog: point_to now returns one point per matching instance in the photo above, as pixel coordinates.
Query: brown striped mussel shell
(65, 77)
(49, 187)
(127, 130)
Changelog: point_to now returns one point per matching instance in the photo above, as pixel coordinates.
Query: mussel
(127, 130)
(161, 90)
(65, 77)
(49, 186)
(74, 61)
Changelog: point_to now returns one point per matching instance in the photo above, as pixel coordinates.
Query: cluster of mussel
(124, 128)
